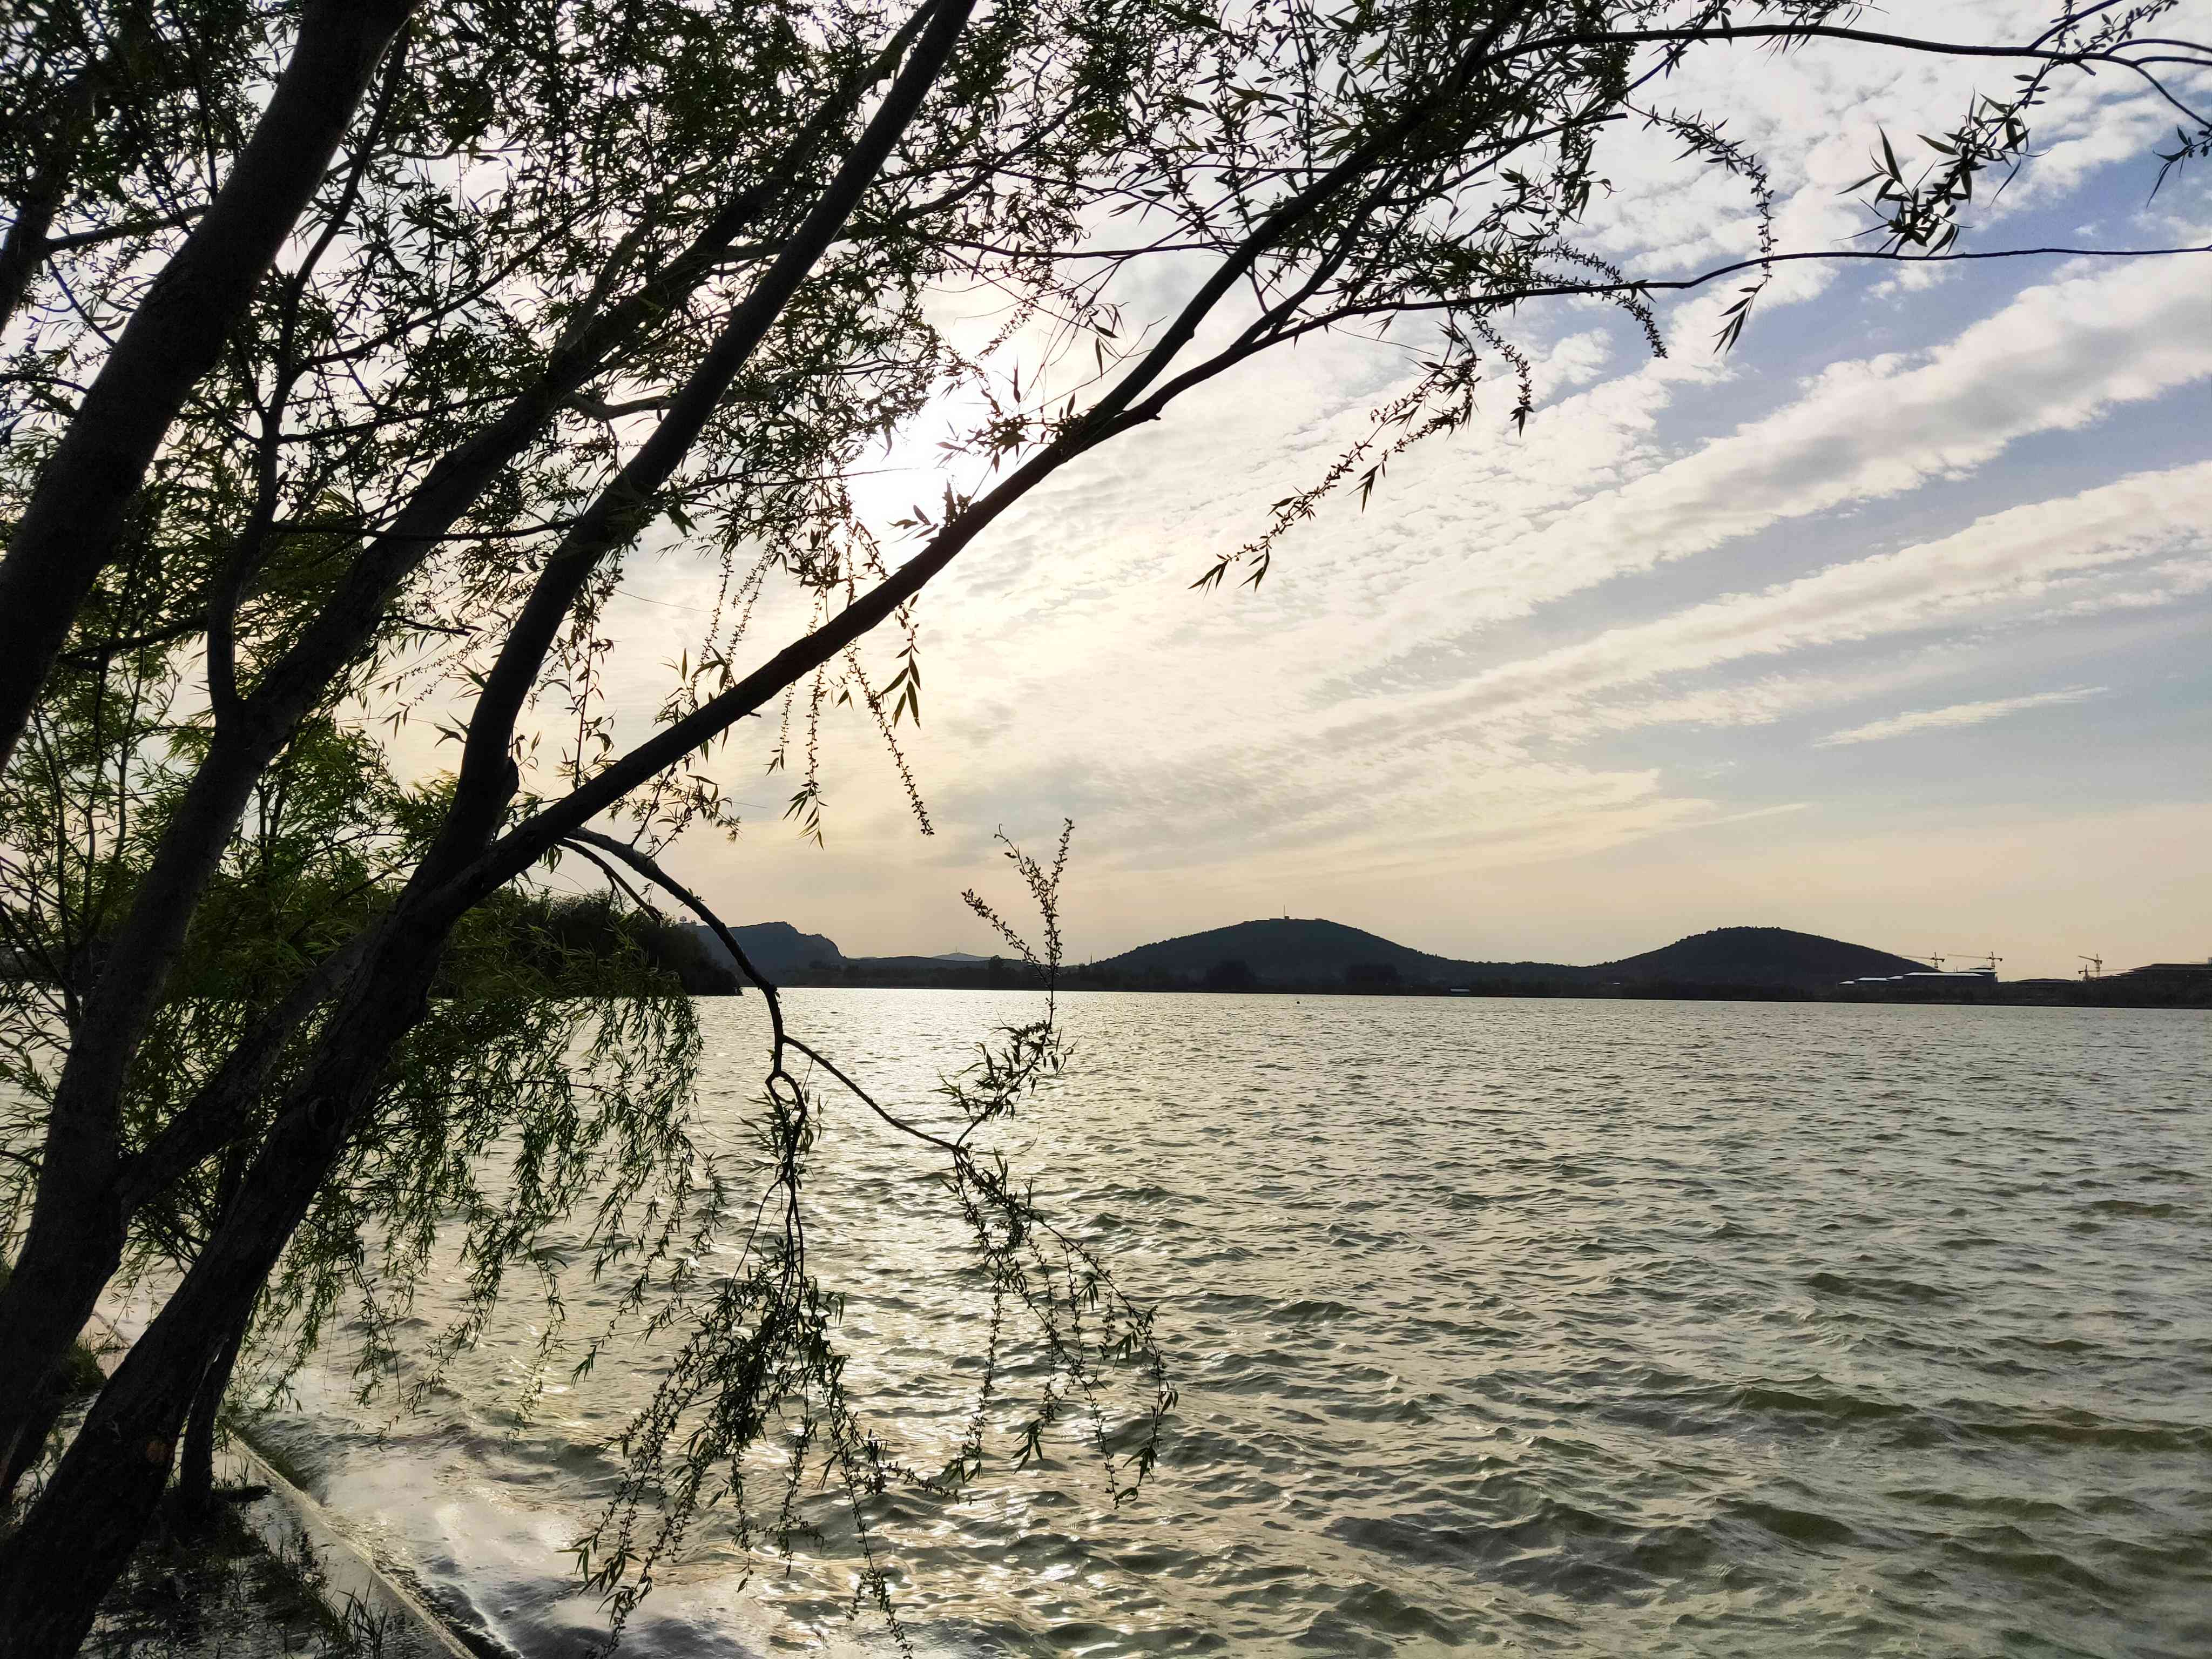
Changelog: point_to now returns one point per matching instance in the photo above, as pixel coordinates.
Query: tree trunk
(66, 534)
(32, 1422)
(80, 1210)
(92, 1515)
(81, 1151)
(196, 1469)
(44, 1306)
(81, 1532)
(59, 546)
(75, 1252)
(25, 248)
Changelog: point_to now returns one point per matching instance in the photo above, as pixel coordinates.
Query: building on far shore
(2182, 972)
(1932, 976)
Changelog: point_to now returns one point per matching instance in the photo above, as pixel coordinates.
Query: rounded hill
(1279, 951)
(1759, 956)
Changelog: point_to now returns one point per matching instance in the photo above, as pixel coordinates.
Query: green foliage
(502, 1117)
(569, 944)
(76, 179)
(557, 1047)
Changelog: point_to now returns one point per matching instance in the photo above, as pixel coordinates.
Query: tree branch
(625, 506)
(68, 530)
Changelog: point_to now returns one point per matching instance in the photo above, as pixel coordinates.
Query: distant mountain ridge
(1288, 950)
(1291, 950)
(1311, 953)
(1317, 956)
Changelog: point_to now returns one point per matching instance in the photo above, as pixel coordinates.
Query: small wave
(1416, 1539)
(2003, 1505)
(2086, 1429)
(1382, 1609)
(1803, 1527)
(1314, 1311)
(1872, 1289)
(2012, 1553)
(2130, 1206)
(1812, 1398)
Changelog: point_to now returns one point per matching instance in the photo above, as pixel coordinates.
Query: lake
(1576, 1328)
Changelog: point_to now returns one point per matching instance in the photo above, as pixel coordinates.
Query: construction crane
(1935, 959)
(2095, 969)
(1990, 959)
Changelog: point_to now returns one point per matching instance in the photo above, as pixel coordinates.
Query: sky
(1889, 625)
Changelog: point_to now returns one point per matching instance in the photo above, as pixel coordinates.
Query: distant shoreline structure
(1290, 956)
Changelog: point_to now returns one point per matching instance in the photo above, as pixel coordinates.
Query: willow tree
(556, 1022)
(488, 292)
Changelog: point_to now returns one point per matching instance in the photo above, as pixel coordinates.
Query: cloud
(1484, 773)
(2005, 564)
(1958, 714)
(1212, 756)
(2058, 357)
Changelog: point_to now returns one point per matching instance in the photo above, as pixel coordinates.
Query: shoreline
(2019, 994)
(301, 1537)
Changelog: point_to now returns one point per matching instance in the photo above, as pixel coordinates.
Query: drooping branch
(223, 1108)
(1285, 220)
(646, 866)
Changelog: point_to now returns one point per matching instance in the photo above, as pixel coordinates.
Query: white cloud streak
(1956, 715)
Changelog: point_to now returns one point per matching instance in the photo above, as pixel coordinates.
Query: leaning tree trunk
(82, 1203)
(86, 1099)
(66, 534)
(80, 1533)
(48, 1297)
(195, 1498)
(68, 1258)
(63, 540)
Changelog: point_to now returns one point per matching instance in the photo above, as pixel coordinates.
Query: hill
(1758, 956)
(779, 950)
(1313, 955)
(1286, 951)
(1294, 950)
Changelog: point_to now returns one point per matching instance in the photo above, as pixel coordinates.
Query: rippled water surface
(1556, 1327)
